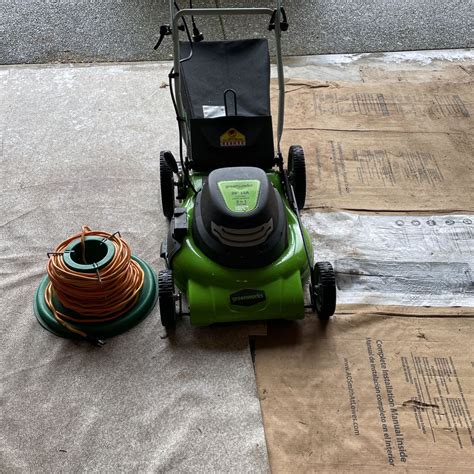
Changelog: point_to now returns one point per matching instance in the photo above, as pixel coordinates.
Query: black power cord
(197, 35)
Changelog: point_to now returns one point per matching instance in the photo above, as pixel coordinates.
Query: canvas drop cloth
(80, 145)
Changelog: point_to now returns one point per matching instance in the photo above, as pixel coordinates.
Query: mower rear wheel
(166, 298)
(324, 290)
(167, 187)
(297, 173)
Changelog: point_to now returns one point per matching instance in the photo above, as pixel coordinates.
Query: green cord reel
(98, 252)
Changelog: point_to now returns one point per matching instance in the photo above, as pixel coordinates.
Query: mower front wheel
(167, 187)
(324, 290)
(166, 298)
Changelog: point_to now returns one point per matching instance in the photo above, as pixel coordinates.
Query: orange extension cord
(98, 297)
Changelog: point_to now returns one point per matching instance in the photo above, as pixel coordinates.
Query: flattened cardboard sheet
(384, 147)
(368, 393)
(436, 106)
(387, 171)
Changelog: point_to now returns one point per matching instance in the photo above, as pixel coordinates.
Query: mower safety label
(232, 138)
(240, 195)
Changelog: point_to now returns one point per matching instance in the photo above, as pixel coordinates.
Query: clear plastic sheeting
(397, 260)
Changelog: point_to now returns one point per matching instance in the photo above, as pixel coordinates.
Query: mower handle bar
(176, 16)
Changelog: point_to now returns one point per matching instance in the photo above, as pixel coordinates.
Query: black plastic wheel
(167, 187)
(297, 173)
(324, 291)
(166, 298)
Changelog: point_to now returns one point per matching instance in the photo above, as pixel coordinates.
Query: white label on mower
(404, 260)
(213, 111)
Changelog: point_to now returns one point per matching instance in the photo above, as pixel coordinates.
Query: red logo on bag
(232, 138)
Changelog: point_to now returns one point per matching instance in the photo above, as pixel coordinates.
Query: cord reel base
(143, 307)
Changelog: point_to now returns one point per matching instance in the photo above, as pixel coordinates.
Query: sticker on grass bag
(232, 138)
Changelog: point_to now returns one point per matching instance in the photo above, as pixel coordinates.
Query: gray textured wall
(42, 31)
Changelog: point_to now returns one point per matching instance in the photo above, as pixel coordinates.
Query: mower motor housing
(239, 219)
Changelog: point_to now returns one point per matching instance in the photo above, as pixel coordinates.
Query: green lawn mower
(236, 248)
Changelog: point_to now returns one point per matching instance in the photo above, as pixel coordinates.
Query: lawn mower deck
(233, 272)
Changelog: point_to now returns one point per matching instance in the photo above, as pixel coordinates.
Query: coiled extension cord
(96, 297)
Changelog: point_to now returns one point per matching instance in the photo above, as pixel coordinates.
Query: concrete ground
(38, 31)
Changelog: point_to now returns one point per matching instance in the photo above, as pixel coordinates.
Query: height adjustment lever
(165, 30)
